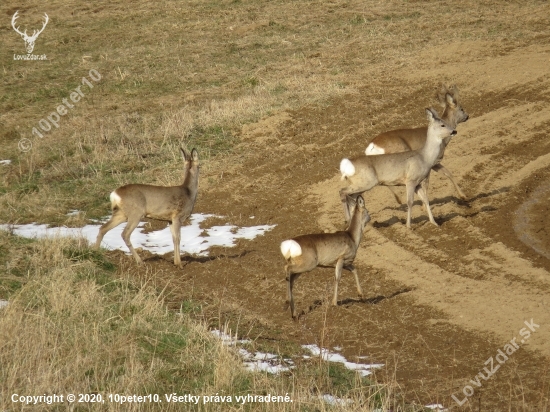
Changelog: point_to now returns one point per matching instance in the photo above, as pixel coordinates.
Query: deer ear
(450, 100)
(432, 114)
(184, 154)
(195, 155)
(429, 114)
(350, 201)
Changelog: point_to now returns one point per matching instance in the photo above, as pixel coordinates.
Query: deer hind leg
(338, 275)
(394, 192)
(440, 168)
(410, 200)
(117, 218)
(175, 228)
(424, 197)
(426, 185)
(291, 278)
(352, 269)
(133, 221)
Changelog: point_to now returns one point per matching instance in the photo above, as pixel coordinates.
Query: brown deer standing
(397, 169)
(403, 140)
(304, 253)
(169, 203)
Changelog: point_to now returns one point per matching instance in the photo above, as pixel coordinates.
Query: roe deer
(169, 203)
(397, 169)
(403, 140)
(304, 253)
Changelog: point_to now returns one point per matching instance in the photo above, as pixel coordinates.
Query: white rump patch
(372, 149)
(290, 248)
(115, 199)
(346, 168)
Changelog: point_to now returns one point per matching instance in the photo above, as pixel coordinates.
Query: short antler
(443, 90)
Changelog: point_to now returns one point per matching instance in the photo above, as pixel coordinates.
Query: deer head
(29, 40)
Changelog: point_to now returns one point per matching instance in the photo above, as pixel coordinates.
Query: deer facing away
(174, 204)
(397, 169)
(403, 140)
(304, 253)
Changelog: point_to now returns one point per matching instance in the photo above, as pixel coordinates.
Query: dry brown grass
(73, 327)
(195, 72)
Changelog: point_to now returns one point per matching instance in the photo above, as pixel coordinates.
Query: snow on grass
(271, 363)
(256, 361)
(5, 162)
(193, 240)
(437, 407)
(362, 368)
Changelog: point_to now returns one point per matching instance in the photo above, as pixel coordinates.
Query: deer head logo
(29, 40)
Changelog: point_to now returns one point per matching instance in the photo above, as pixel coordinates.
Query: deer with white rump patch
(169, 203)
(408, 169)
(304, 253)
(404, 140)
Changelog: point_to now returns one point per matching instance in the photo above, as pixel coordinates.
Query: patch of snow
(5, 162)
(73, 212)
(362, 368)
(157, 242)
(3, 303)
(437, 407)
(335, 401)
(227, 339)
(257, 361)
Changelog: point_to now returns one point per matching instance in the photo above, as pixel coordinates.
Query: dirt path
(440, 301)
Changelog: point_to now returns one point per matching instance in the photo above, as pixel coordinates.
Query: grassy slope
(173, 73)
(76, 324)
(192, 73)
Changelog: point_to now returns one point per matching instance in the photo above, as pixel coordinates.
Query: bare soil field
(440, 301)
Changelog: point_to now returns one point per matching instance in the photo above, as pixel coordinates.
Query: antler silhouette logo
(29, 40)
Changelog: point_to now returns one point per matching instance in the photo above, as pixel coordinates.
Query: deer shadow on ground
(442, 218)
(349, 301)
(439, 219)
(187, 259)
(448, 199)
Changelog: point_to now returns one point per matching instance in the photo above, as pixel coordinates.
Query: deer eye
(442, 125)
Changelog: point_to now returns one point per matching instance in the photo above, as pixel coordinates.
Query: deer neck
(191, 181)
(355, 230)
(432, 148)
